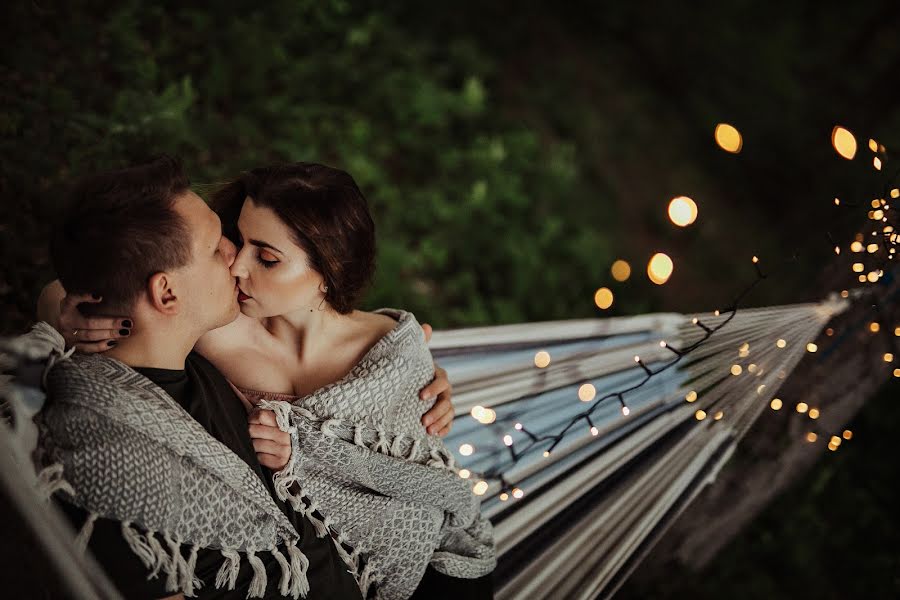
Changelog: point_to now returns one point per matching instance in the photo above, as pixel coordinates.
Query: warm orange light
(587, 392)
(844, 142)
(728, 138)
(660, 268)
(603, 298)
(776, 403)
(620, 270)
(542, 359)
(682, 211)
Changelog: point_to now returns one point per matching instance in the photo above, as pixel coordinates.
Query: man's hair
(119, 228)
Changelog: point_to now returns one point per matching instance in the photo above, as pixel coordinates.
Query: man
(147, 471)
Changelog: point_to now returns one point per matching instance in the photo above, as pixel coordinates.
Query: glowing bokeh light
(682, 211)
(844, 142)
(728, 138)
(660, 268)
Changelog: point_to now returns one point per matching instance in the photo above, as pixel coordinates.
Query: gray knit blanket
(121, 448)
(390, 494)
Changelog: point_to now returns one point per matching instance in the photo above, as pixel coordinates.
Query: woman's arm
(87, 334)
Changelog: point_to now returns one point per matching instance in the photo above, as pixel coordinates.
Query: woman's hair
(328, 217)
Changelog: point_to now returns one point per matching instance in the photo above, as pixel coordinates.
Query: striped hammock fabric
(587, 513)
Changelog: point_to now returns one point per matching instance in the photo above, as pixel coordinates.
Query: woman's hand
(272, 445)
(439, 419)
(89, 334)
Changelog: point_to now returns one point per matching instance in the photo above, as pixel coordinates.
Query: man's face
(206, 288)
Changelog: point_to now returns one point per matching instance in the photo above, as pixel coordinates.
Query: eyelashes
(268, 264)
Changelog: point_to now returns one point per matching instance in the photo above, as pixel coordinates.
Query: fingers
(263, 417)
(444, 421)
(273, 448)
(439, 385)
(428, 331)
(275, 463)
(265, 432)
(443, 432)
(100, 335)
(439, 416)
(95, 347)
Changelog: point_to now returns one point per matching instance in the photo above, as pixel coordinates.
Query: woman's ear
(161, 293)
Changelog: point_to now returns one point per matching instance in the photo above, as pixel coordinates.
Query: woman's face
(273, 273)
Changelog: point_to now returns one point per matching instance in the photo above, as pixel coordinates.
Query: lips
(242, 296)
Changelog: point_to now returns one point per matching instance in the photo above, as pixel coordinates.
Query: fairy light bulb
(466, 449)
(776, 403)
(856, 247)
(728, 138)
(736, 370)
(781, 343)
(518, 427)
(620, 270)
(517, 493)
(810, 347)
(814, 413)
(542, 359)
(504, 497)
(480, 488)
(844, 142)
(594, 430)
(847, 434)
(811, 437)
(587, 392)
(700, 415)
(507, 439)
(691, 396)
(682, 211)
(660, 268)
(802, 407)
(603, 298)
(465, 473)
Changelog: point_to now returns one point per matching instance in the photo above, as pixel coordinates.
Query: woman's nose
(237, 266)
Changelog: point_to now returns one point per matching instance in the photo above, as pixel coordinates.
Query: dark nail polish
(112, 343)
(126, 323)
(124, 331)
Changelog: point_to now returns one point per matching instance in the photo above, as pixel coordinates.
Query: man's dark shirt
(205, 394)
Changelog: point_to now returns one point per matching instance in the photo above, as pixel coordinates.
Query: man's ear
(161, 293)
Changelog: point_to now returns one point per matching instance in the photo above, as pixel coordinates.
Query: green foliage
(474, 211)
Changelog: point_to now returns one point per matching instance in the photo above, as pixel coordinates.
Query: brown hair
(328, 217)
(119, 228)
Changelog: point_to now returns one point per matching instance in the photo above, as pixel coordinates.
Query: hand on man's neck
(154, 347)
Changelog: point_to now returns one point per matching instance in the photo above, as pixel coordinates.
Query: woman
(344, 382)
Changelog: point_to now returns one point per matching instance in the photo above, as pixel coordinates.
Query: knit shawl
(121, 448)
(391, 494)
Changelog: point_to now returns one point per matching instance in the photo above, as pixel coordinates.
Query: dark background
(510, 152)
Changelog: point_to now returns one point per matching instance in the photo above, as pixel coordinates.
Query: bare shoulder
(228, 337)
(377, 324)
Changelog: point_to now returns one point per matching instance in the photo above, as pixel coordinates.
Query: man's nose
(229, 251)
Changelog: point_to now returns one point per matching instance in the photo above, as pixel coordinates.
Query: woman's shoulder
(228, 337)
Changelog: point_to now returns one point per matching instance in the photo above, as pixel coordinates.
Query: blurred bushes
(471, 206)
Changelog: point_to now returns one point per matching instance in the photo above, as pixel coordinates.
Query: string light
(507, 439)
(466, 449)
(728, 138)
(603, 298)
(587, 392)
(660, 268)
(620, 270)
(517, 493)
(843, 142)
(682, 211)
(811, 437)
(465, 473)
(638, 360)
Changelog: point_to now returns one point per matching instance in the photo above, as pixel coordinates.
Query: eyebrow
(261, 244)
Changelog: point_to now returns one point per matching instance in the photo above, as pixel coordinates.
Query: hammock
(576, 522)
(589, 511)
